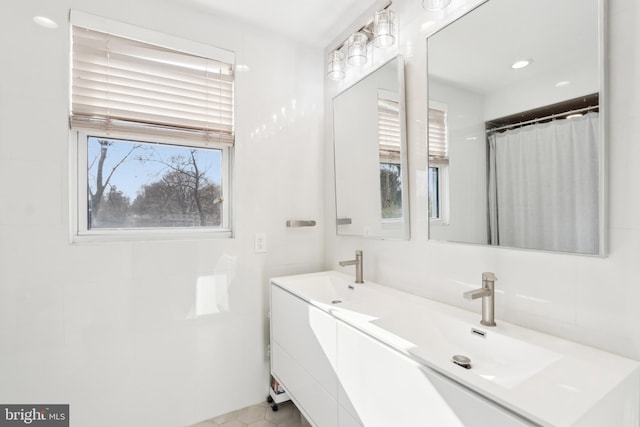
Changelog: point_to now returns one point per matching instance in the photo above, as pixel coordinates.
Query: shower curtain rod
(549, 117)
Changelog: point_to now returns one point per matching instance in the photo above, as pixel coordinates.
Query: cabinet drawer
(382, 387)
(308, 335)
(316, 404)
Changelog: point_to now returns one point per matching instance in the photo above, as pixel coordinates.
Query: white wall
(109, 328)
(586, 299)
(467, 170)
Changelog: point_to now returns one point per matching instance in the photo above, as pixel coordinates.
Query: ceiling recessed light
(563, 83)
(43, 21)
(521, 64)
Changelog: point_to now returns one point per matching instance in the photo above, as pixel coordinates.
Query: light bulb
(357, 49)
(335, 66)
(384, 28)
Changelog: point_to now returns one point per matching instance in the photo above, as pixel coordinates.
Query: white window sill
(140, 235)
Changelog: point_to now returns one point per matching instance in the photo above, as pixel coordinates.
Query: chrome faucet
(358, 263)
(486, 292)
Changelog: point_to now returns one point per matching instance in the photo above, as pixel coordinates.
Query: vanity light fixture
(435, 5)
(45, 22)
(521, 64)
(357, 48)
(336, 65)
(380, 31)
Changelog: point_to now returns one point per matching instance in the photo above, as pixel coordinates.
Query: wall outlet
(260, 243)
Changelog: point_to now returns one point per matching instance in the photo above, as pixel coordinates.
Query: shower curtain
(544, 185)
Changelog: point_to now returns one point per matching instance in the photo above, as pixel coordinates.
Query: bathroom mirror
(516, 133)
(371, 155)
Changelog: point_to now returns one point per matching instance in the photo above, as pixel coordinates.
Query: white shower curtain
(543, 186)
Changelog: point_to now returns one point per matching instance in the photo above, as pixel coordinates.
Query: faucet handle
(489, 277)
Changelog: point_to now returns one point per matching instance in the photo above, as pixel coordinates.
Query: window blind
(389, 130)
(438, 146)
(120, 84)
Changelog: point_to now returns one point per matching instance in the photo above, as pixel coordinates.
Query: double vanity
(360, 354)
(369, 355)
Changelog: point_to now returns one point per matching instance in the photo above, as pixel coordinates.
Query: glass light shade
(357, 49)
(336, 65)
(435, 4)
(384, 28)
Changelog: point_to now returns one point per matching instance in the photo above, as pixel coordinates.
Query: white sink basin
(338, 294)
(502, 359)
(328, 289)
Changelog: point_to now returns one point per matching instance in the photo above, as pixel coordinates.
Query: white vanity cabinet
(339, 376)
(382, 387)
(373, 356)
(303, 354)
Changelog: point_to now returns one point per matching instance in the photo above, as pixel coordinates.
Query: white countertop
(549, 380)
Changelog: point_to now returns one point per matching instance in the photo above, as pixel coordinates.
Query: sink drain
(336, 301)
(461, 360)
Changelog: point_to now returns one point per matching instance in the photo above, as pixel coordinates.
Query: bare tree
(183, 195)
(390, 190)
(114, 209)
(101, 183)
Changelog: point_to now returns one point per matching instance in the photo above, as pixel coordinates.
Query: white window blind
(121, 84)
(389, 130)
(438, 146)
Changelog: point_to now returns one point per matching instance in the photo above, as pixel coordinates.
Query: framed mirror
(370, 151)
(516, 127)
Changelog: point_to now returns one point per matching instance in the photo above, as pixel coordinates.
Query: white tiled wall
(112, 328)
(591, 300)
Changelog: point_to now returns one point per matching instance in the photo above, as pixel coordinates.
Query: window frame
(443, 193)
(442, 165)
(78, 179)
(80, 232)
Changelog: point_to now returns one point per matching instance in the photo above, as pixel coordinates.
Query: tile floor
(259, 415)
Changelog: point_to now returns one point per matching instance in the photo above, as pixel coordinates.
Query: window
(389, 142)
(438, 164)
(153, 120)
(133, 184)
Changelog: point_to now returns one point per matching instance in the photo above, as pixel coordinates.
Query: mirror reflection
(370, 155)
(515, 135)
